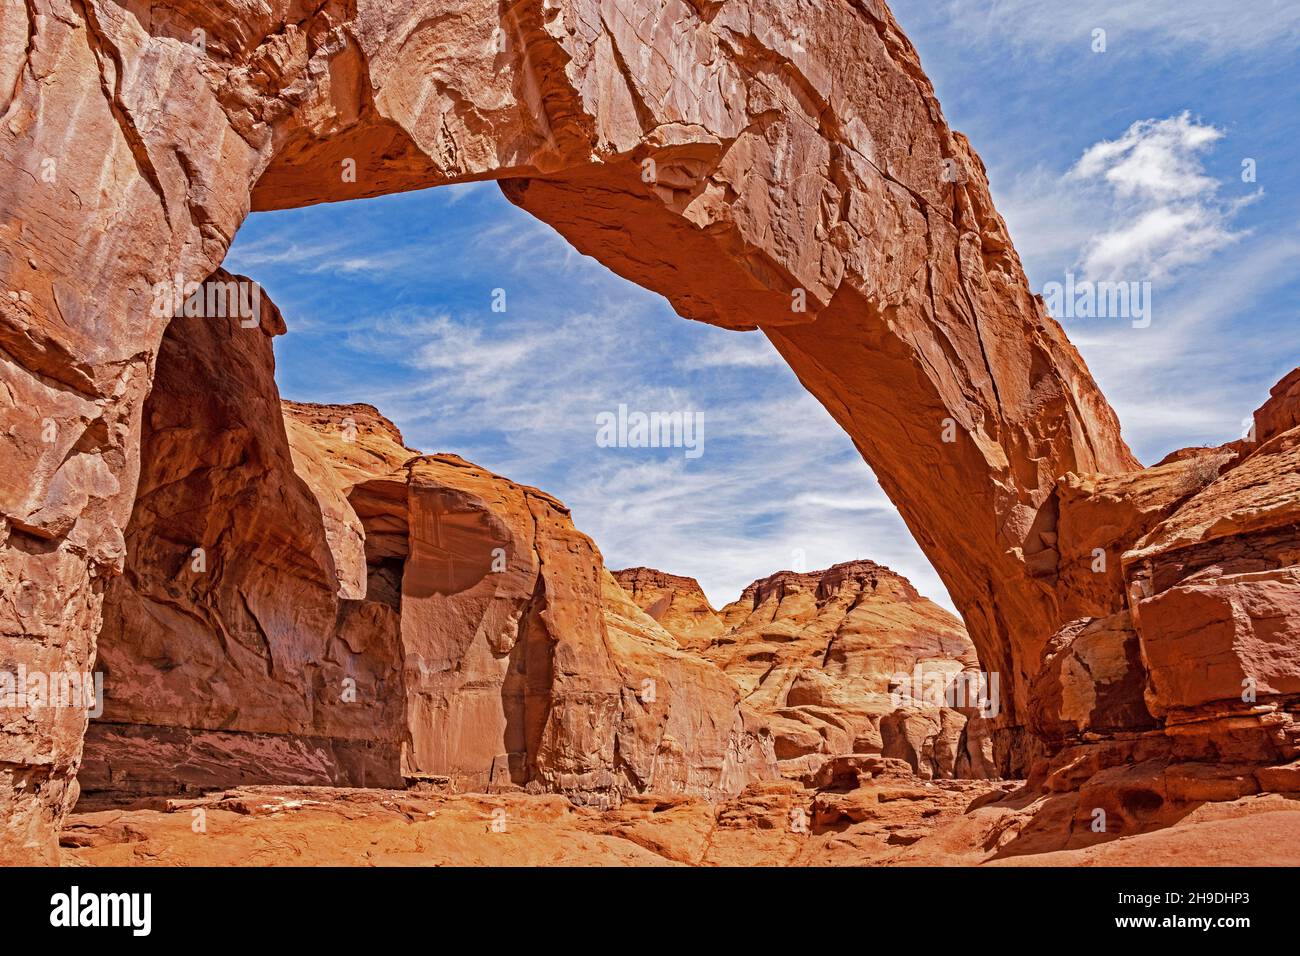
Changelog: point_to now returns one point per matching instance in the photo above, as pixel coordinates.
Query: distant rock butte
(820, 656)
(677, 603)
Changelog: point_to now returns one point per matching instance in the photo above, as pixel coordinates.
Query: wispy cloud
(1138, 207)
(316, 258)
(1269, 26)
(1164, 209)
(750, 350)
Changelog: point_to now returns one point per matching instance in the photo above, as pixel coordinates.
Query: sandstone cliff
(1180, 682)
(678, 603)
(307, 600)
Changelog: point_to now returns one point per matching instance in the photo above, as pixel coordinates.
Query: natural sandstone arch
(742, 158)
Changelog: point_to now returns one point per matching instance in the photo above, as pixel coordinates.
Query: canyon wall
(243, 642)
(1178, 682)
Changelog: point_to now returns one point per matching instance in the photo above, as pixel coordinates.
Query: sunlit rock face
(1181, 681)
(676, 602)
(528, 666)
(761, 164)
(850, 660)
(1215, 586)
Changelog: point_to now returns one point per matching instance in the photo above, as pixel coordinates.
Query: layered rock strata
(1179, 683)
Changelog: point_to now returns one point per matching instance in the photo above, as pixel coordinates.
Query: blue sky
(1123, 164)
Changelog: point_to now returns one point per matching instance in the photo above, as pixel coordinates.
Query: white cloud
(1155, 159)
(1157, 242)
(313, 258)
(1164, 208)
(850, 502)
(1140, 207)
(277, 251)
(1195, 375)
(751, 514)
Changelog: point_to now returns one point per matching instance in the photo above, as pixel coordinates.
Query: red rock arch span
(759, 164)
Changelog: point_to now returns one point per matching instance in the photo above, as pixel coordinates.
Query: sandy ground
(964, 823)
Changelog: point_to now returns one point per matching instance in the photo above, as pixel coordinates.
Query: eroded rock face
(678, 603)
(1215, 587)
(1193, 658)
(759, 164)
(307, 600)
(239, 645)
(527, 664)
(851, 660)
(1092, 681)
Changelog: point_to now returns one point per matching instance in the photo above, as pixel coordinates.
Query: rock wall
(528, 665)
(239, 644)
(1181, 683)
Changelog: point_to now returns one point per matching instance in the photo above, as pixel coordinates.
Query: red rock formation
(527, 664)
(757, 165)
(834, 661)
(1215, 589)
(238, 645)
(1190, 669)
(677, 603)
